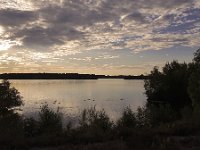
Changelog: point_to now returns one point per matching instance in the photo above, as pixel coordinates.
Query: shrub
(142, 116)
(11, 124)
(95, 119)
(161, 114)
(30, 127)
(9, 98)
(49, 121)
(11, 129)
(128, 119)
(194, 81)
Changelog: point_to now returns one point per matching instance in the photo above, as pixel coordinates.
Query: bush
(11, 124)
(194, 87)
(9, 98)
(49, 121)
(143, 117)
(162, 114)
(30, 127)
(95, 119)
(95, 126)
(128, 119)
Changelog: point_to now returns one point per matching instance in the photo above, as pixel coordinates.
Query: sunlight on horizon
(99, 36)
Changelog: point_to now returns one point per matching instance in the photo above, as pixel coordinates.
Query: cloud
(95, 24)
(44, 37)
(13, 17)
(59, 28)
(17, 4)
(89, 59)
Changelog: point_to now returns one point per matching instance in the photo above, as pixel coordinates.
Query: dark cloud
(163, 4)
(169, 40)
(73, 13)
(37, 37)
(137, 16)
(11, 17)
(57, 26)
(55, 23)
(124, 5)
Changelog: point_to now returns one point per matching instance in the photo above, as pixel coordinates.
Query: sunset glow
(100, 36)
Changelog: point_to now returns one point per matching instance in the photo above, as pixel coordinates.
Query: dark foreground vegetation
(169, 120)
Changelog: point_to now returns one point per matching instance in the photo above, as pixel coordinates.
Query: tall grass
(95, 119)
(49, 121)
(146, 128)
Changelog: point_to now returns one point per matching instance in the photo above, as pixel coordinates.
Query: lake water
(72, 96)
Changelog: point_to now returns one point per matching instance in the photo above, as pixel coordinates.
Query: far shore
(68, 76)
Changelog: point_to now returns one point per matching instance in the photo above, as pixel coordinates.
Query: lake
(72, 96)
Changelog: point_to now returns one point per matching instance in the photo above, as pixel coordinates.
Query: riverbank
(97, 131)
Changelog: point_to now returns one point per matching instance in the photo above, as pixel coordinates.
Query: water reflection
(72, 96)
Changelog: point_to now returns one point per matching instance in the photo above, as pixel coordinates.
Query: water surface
(72, 96)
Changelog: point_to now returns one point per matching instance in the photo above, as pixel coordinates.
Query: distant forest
(65, 76)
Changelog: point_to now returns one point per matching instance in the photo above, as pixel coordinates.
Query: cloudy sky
(96, 36)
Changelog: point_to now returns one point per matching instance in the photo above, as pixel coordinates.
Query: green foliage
(145, 117)
(128, 119)
(11, 124)
(187, 112)
(49, 121)
(142, 116)
(153, 85)
(31, 127)
(95, 126)
(9, 98)
(197, 56)
(172, 92)
(194, 81)
(92, 118)
(169, 86)
(196, 112)
(11, 131)
(194, 87)
(161, 114)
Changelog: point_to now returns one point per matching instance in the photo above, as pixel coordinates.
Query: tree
(9, 98)
(169, 87)
(194, 81)
(197, 57)
(194, 87)
(153, 85)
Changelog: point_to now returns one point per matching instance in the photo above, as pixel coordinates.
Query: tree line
(177, 85)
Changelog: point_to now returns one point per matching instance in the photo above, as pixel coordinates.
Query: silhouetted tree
(197, 56)
(153, 85)
(194, 81)
(169, 86)
(9, 98)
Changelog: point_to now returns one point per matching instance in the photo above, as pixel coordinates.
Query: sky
(112, 37)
